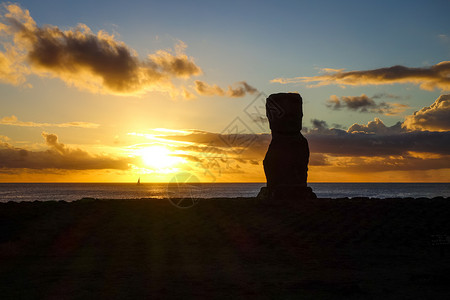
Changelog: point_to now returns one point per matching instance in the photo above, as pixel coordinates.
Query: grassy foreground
(225, 248)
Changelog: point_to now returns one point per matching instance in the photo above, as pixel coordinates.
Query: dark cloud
(434, 117)
(389, 96)
(364, 103)
(342, 143)
(52, 141)
(388, 164)
(259, 118)
(372, 139)
(240, 90)
(319, 125)
(436, 76)
(337, 126)
(58, 157)
(318, 159)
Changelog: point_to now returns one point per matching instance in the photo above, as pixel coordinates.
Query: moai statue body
(286, 160)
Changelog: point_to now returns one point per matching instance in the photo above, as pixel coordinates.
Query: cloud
(434, 117)
(187, 94)
(337, 150)
(318, 159)
(13, 121)
(436, 76)
(178, 65)
(10, 70)
(365, 104)
(376, 126)
(386, 95)
(426, 131)
(209, 90)
(240, 90)
(215, 154)
(4, 138)
(444, 38)
(356, 103)
(95, 62)
(376, 139)
(57, 157)
(259, 118)
(387, 164)
(319, 125)
(52, 141)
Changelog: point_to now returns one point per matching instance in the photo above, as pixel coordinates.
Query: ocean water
(18, 192)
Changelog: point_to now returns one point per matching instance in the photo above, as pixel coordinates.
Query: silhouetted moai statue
(286, 161)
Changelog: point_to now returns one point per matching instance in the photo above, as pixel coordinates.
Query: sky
(110, 91)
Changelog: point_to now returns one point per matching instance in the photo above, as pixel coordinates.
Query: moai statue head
(284, 111)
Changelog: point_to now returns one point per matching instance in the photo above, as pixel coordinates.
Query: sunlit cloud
(430, 78)
(376, 127)
(211, 154)
(4, 138)
(362, 143)
(186, 94)
(95, 62)
(239, 90)
(13, 121)
(434, 117)
(371, 147)
(172, 131)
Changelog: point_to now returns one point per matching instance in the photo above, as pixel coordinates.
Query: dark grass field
(225, 249)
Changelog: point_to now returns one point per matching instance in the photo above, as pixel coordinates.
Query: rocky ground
(225, 248)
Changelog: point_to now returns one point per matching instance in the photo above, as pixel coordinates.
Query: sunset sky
(110, 91)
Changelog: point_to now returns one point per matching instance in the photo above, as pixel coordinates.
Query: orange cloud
(13, 121)
(434, 117)
(209, 90)
(242, 88)
(436, 76)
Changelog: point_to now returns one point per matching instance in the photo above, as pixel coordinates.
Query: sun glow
(158, 157)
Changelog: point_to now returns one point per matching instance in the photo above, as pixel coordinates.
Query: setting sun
(158, 157)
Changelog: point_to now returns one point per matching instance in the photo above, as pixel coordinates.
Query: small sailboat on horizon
(139, 181)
